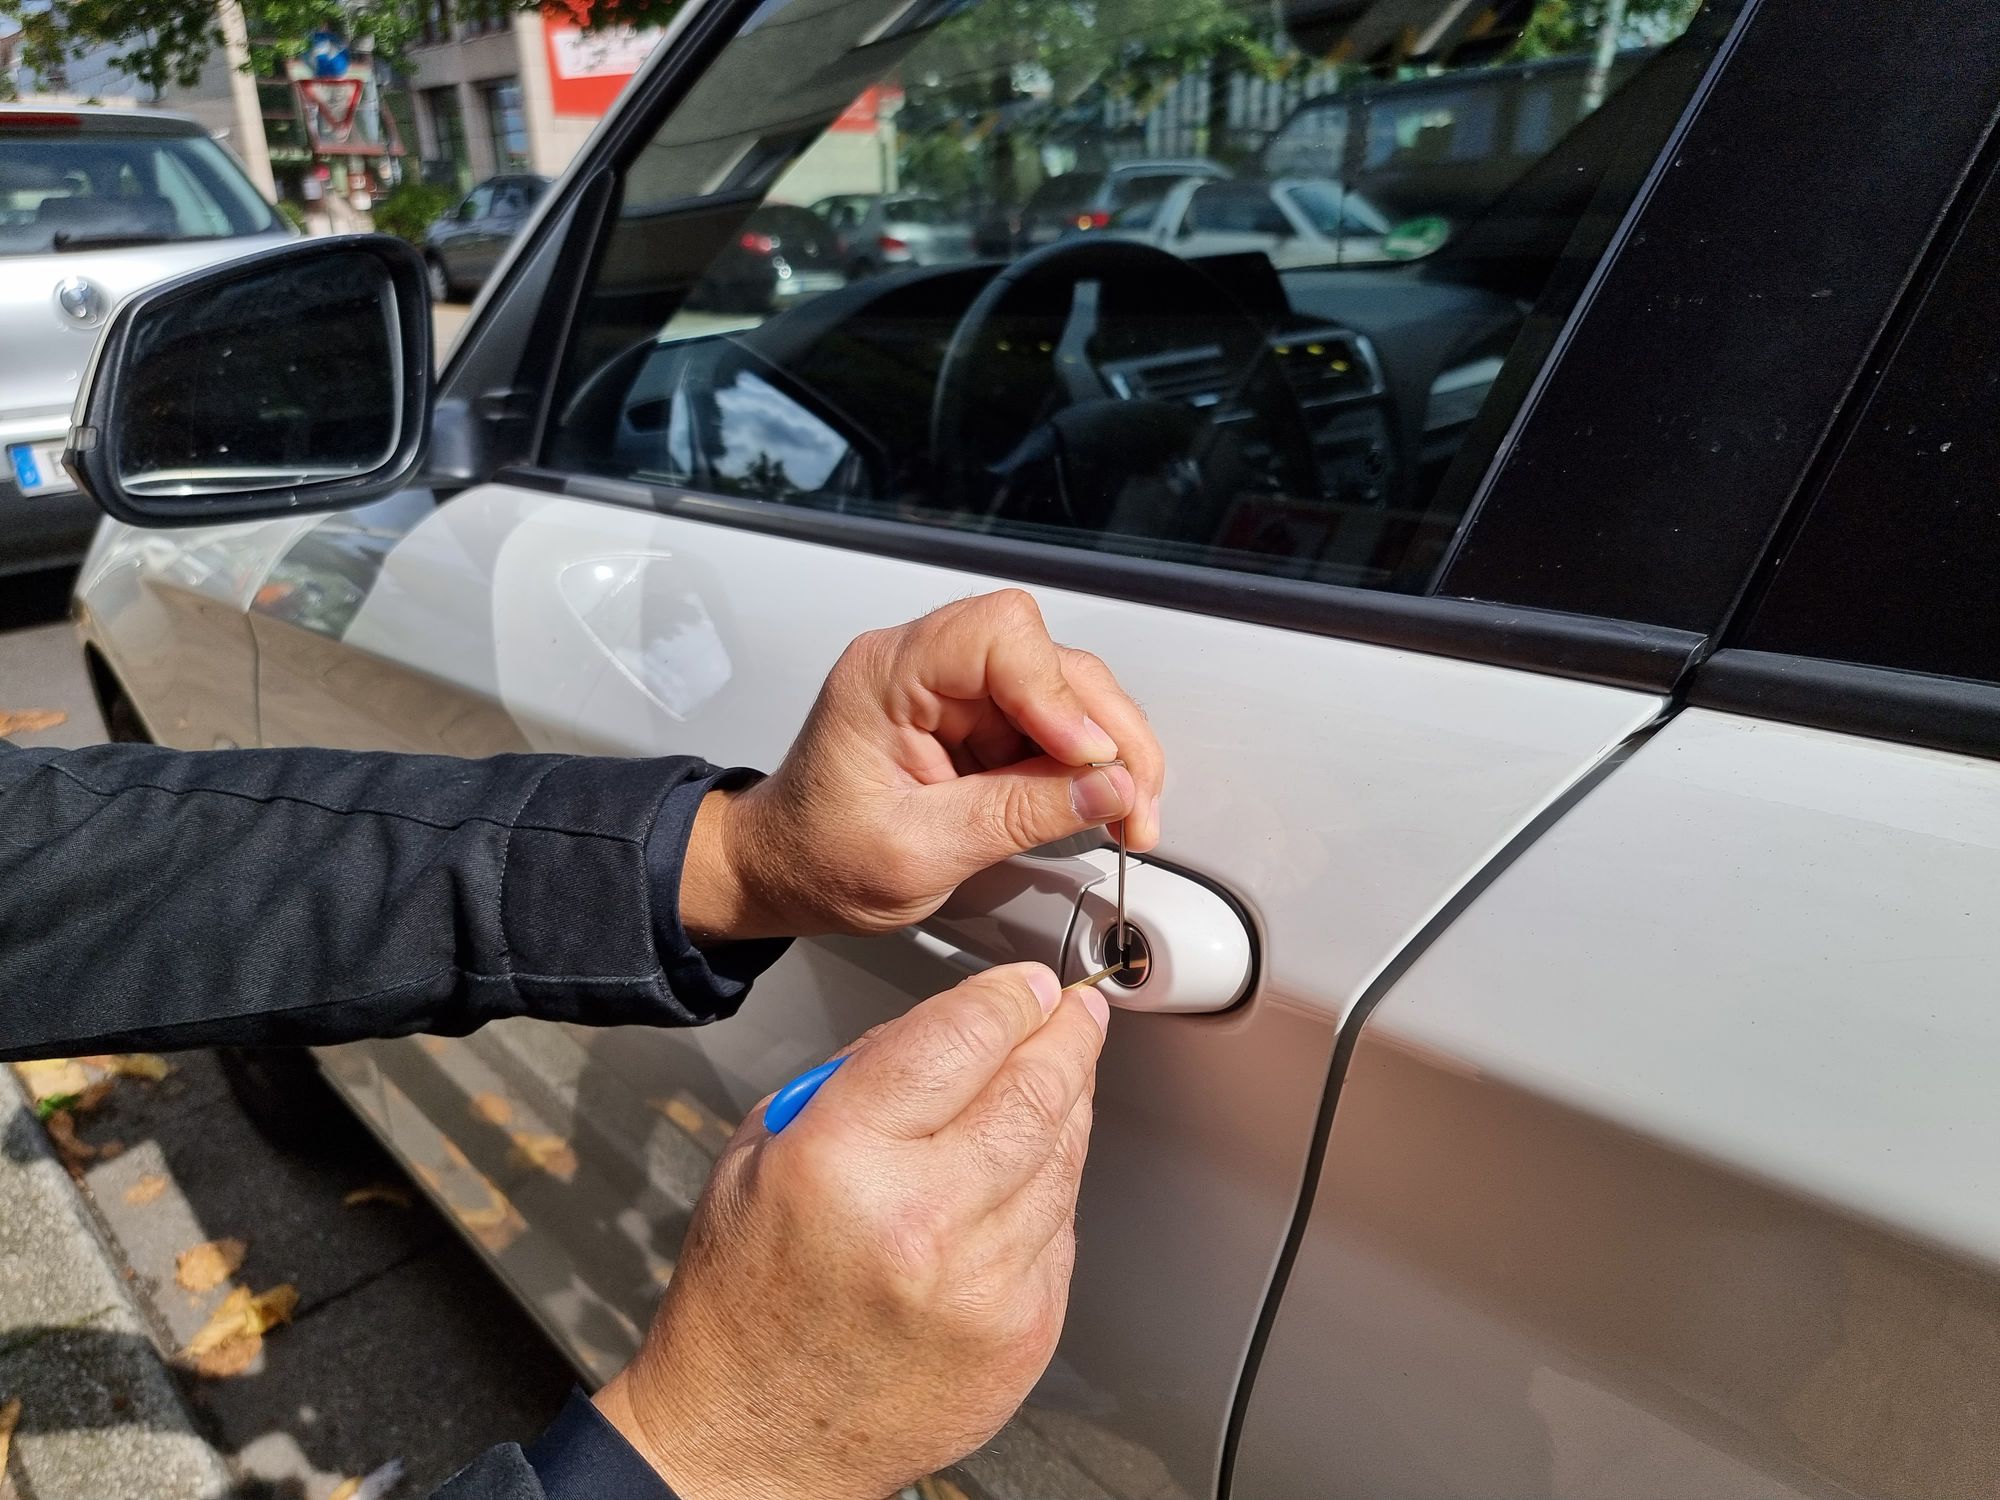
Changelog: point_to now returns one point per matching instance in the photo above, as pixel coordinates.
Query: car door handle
(1061, 909)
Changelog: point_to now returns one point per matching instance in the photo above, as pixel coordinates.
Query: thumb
(988, 816)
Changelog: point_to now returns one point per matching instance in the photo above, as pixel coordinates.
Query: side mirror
(292, 380)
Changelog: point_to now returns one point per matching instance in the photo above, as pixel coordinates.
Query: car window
(934, 212)
(1172, 402)
(64, 182)
(1895, 562)
(1238, 208)
(1333, 210)
(476, 203)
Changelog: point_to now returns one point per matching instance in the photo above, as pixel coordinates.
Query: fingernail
(1047, 988)
(1102, 746)
(1096, 797)
(1098, 1006)
(1153, 818)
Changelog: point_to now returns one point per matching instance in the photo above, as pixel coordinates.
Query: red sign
(588, 69)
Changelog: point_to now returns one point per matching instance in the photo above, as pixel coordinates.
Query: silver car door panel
(1342, 819)
(1673, 1167)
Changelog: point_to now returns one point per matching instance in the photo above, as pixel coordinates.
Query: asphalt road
(403, 1346)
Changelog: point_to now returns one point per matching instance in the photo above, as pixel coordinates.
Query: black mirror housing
(293, 380)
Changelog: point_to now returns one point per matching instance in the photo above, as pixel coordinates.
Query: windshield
(65, 186)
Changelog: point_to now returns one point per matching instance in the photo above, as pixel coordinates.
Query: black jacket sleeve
(580, 1457)
(153, 899)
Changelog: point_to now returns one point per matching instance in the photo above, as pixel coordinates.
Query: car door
(1370, 709)
(689, 550)
(459, 246)
(1229, 218)
(1674, 1158)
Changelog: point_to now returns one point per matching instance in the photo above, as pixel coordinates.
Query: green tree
(162, 43)
(1558, 26)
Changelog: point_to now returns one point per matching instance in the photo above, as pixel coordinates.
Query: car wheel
(439, 277)
(289, 1101)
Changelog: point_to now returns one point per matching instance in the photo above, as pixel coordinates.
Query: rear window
(67, 187)
(1070, 190)
(931, 211)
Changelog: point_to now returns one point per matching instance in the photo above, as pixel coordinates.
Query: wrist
(715, 903)
(712, 1467)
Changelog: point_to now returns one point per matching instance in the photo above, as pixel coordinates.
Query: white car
(94, 203)
(1570, 1063)
(1296, 221)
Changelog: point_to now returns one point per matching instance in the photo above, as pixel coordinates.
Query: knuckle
(1037, 1095)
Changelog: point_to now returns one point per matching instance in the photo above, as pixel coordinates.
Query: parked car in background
(1444, 145)
(904, 229)
(783, 254)
(94, 203)
(1575, 653)
(462, 248)
(1077, 202)
(1301, 221)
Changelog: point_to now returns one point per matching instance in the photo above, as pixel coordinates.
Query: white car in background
(1569, 1065)
(94, 204)
(1296, 221)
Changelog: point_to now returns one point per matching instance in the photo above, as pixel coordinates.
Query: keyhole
(1136, 961)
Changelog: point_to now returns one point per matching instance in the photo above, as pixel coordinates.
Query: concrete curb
(102, 1418)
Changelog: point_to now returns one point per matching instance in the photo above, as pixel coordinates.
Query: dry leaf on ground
(75, 1153)
(547, 1153)
(373, 1486)
(230, 1339)
(10, 1418)
(28, 720)
(209, 1264)
(492, 1108)
(145, 1190)
(147, 1065)
(680, 1112)
(52, 1077)
(377, 1192)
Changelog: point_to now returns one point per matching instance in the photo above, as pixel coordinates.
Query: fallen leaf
(75, 1154)
(10, 1418)
(495, 1226)
(680, 1112)
(145, 1190)
(493, 1109)
(91, 1098)
(547, 1153)
(228, 1342)
(49, 1077)
(373, 1486)
(147, 1065)
(377, 1192)
(28, 720)
(209, 1264)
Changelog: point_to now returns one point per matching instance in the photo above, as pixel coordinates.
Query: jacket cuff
(583, 1457)
(710, 982)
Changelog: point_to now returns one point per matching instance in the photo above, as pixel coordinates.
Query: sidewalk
(101, 1417)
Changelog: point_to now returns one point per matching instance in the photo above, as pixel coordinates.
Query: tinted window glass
(1332, 210)
(1286, 409)
(1897, 563)
(62, 185)
(1237, 208)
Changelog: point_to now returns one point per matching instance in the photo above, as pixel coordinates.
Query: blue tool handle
(796, 1095)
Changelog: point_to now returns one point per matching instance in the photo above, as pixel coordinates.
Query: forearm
(151, 898)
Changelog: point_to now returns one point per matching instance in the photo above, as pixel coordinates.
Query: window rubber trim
(1614, 653)
(1953, 714)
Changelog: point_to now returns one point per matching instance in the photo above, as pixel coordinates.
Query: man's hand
(869, 1296)
(935, 749)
